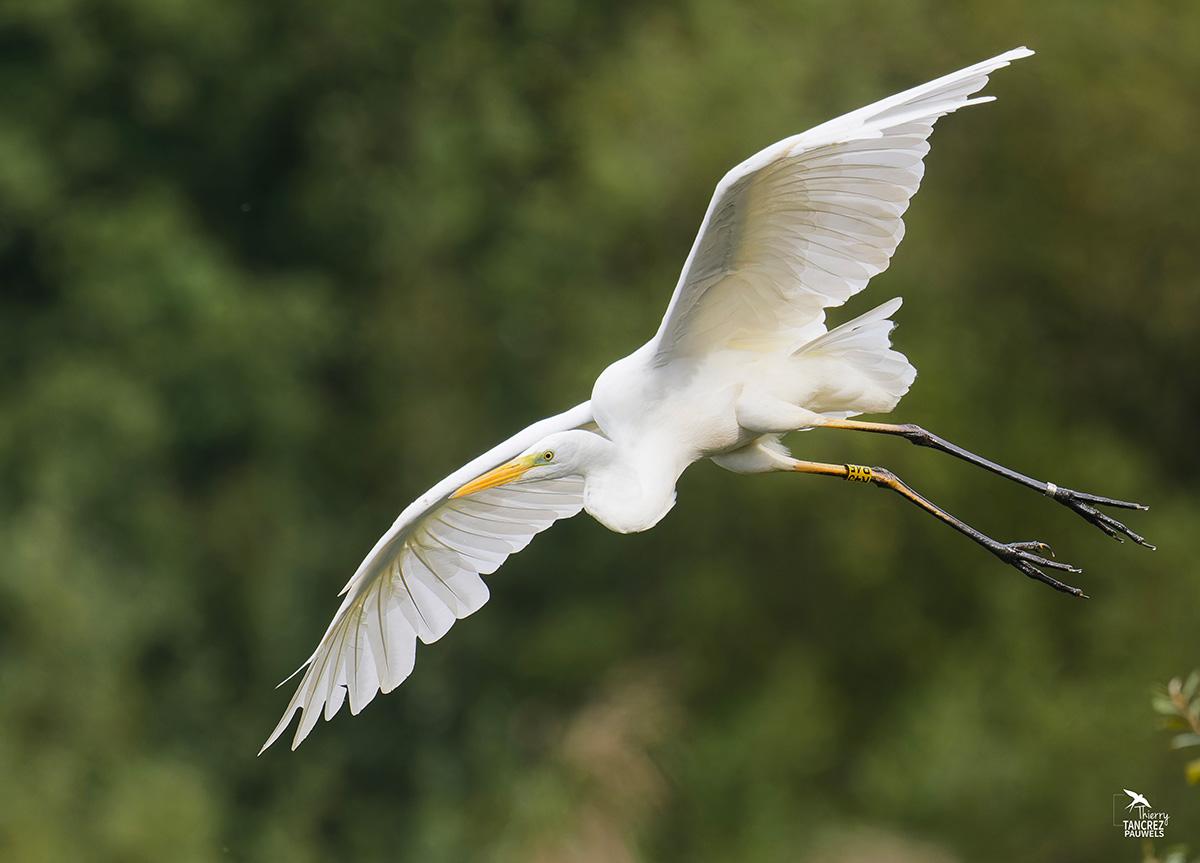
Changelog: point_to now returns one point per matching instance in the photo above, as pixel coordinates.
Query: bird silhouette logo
(1136, 799)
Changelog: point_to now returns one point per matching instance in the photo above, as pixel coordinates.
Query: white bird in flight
(1136, 799)
(741, 357)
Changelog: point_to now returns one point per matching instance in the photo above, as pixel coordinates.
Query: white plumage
(804, 224)
(742, 356)
(424, 573)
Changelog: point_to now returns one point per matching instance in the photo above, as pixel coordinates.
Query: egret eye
(548, 455)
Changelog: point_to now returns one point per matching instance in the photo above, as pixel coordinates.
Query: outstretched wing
(424, 573)
(804, 224)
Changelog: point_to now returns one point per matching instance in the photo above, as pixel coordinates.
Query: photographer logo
(1136, 816)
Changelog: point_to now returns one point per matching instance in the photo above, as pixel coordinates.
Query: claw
(1033, 545)
(1099, 499)
(1021, 556)
(1085, 506)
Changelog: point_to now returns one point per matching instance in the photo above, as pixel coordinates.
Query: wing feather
(424, 574)
(805, 223)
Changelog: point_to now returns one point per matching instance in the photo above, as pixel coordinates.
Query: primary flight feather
(742, 356)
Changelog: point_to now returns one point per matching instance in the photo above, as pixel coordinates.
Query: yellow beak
(501, 475)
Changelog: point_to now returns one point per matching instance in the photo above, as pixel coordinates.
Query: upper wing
(805, 223)
(424, 573)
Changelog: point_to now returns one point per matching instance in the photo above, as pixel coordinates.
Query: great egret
(742, 356)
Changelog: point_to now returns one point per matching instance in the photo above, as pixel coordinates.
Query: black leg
(1029, 557)
(1079, 502)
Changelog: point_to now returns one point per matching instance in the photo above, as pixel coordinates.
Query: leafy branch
(1179, 703)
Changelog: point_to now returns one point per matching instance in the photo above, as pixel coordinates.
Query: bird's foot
(1030, 558)
(1086, 505)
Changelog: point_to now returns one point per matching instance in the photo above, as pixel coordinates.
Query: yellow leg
(1028, 557)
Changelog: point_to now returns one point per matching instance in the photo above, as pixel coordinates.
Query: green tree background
(271, 269)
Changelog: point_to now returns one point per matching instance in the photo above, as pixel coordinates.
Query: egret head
(569, 453)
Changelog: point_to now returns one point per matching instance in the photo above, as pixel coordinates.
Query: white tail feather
(852, 369)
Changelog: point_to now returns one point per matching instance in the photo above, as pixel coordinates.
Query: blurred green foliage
(271, 269)
(1179, 705)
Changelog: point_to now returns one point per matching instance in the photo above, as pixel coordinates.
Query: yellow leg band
(858, 473)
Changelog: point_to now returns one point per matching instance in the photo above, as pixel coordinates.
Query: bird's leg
(1080, 502)
(1028, 557)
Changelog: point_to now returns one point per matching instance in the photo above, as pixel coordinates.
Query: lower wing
(424, 573)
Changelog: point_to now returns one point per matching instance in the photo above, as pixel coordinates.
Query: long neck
(629, 491)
